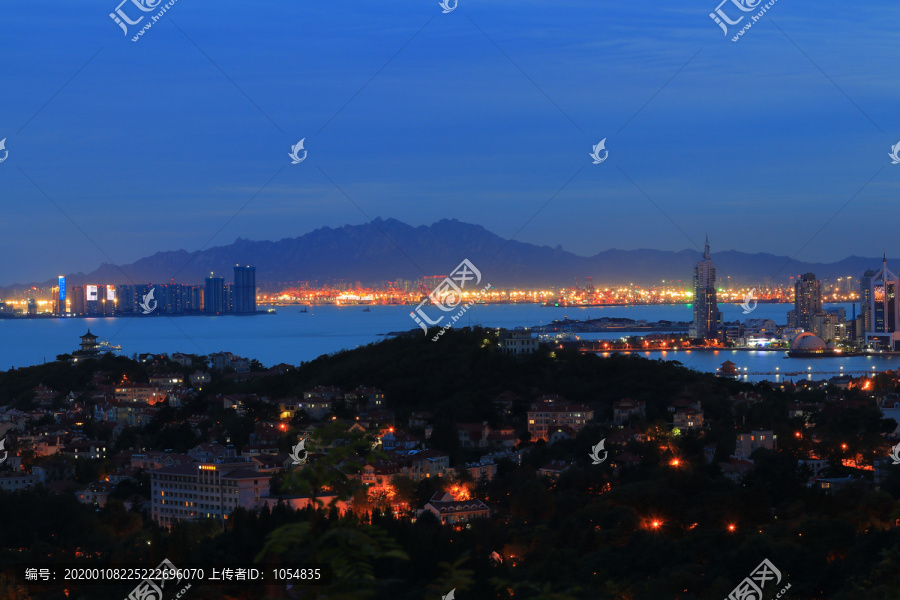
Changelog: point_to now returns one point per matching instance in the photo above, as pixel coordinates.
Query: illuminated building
(865, 299)
(244, 289)
(552, 412)
(61, 297)
(196, 491)
(90, 348)
(450, 511)
(707, 318)
(884, 309)
(807, 302)
(747, 443)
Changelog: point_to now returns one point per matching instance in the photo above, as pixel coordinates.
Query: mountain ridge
(388, 249)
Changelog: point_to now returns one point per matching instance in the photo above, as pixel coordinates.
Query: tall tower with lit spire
(707, 318)
(883, 308)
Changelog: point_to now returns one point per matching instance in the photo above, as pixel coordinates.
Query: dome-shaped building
(808, 344)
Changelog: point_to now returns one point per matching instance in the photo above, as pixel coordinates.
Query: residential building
(13, 482)
(554, 468)
(139, 392)
(747, 443)
(448, 510)
(214, 301)
(807, 302)
(96, 493)
(552, 412)
(479, 470)
(244, 289)
(624, 409)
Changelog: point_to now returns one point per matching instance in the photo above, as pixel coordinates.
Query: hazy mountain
(386, 250)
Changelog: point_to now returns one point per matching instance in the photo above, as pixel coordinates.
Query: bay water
(291, 336)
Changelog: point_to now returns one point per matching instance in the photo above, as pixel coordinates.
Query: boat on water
(367, 309)
(305, 310)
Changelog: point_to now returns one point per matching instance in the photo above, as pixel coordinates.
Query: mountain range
(388, 249)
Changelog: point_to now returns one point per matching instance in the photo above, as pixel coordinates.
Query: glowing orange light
(731, 527)
(674, 462)
(655, 524)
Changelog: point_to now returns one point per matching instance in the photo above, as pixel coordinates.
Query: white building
(520, 343)
(196, 491)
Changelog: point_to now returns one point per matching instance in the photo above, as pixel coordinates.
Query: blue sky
(120, 149)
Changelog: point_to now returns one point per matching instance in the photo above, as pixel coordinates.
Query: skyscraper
(807, 300)
(865, 300)
(884, 308)
(707, 318)
(214, 295)
(244, 289)
(61, 297)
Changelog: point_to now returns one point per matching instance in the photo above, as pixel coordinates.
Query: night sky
(118, 149)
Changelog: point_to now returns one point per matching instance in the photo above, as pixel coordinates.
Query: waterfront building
(90, 348)
(244, 289)
(78, 305)
(883, 309)
(61, 297)
(707, 318)
(125, 299)
(807, 302)
(214, 295)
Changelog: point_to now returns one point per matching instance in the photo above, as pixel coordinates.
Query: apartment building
(552, 412)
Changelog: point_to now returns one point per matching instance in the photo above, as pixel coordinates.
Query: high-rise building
(125, 299)
(214, 301)
(807, 300)
(707, 318)
(78, 307)
(883, 308)
(61, 296)
(244, 289)
(865, 299)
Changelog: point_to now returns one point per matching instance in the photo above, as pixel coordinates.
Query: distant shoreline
(135, 315)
